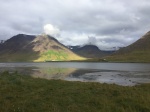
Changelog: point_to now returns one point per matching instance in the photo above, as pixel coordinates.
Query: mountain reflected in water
(127, 76)
(52, 73)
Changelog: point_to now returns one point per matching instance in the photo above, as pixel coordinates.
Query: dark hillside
(139, 51)
(90, 51)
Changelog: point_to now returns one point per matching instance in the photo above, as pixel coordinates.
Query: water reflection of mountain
(126, 78)
(59, 73)
(52, 73)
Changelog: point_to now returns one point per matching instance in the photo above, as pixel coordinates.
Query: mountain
(35, 48)
(89, 51)
(139, 51)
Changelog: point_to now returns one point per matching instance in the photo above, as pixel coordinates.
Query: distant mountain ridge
(35, 48)
(139, 51)
(90, 51)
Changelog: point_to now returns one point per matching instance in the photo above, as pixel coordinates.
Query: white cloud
(49, 29)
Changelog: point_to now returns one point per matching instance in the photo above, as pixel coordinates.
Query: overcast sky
(106, 23)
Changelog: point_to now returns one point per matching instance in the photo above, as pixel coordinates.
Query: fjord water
(126, 74)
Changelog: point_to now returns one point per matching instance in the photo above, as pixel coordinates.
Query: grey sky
(106, 23)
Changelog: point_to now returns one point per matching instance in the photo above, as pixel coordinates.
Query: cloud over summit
(111, 22)
(51, 30)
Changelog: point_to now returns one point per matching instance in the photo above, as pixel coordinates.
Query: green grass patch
(135, 56)
(55, 55)
(23, 93)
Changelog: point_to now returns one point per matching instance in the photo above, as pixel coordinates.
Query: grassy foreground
(25, 94)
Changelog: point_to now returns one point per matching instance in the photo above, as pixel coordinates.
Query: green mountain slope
(35, 48)
(139, 51)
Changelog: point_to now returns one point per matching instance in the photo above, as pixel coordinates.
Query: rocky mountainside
(139, 51)
(90, 51)
(35, 48)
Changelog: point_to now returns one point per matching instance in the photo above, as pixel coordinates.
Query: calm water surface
(126, 74)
